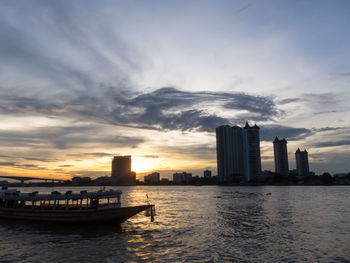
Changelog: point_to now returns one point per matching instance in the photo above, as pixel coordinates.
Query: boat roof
(10, 195)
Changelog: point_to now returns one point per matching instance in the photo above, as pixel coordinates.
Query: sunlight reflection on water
(199, 224)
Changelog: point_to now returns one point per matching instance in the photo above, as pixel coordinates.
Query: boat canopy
(18, 196)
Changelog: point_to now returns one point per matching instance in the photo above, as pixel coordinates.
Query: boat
(68, 207)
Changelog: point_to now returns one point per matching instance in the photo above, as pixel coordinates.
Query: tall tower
(251, 152)
(224, 152)
(281, 156)
(302, 163)
(121, 168)
(237, 144)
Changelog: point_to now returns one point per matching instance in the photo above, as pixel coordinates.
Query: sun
(141, 164)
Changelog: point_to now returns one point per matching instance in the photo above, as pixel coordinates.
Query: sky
(83, 81)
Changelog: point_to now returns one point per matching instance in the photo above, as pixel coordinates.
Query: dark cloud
(17, 165)
(332, 143)
(290, 100)
(165, 108)
(96, 154)
(7, 163)
(324, 129)
(269, 132)
(40, 159)
(331, 111)
(150, 156)
(65, 138)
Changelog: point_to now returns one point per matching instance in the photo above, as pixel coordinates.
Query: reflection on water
(199, 224)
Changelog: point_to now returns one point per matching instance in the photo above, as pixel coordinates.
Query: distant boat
(83, 207)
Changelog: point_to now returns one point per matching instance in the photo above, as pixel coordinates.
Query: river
(198, 224)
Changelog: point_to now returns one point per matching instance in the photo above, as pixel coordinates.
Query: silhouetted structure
(238, 153)
(281, 156)
(121, 170)
(224, 153)
(251, 150)
(207, 174)
(153, 178)
(302, 163)
(77, 180)
(181, 178)
(229, 152)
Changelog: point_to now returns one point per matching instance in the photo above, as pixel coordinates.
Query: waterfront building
(251, 152)
(77, 180)
(281, 156)
(302, 163)
(229, 150)
(224, 151)
(207, 174)
(238, 163)
(121, 170)
(180, 178)
(238, 153)
(153, 178)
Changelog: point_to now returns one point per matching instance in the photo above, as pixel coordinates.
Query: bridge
(22, 179)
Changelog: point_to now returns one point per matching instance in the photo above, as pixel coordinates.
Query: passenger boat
(69, 207)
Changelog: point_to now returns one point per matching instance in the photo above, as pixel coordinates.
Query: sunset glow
(76, 91)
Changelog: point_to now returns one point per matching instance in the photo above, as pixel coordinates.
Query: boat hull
(117, 215)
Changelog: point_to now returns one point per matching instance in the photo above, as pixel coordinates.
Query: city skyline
(81, 83)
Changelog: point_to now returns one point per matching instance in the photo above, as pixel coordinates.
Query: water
(199, 224)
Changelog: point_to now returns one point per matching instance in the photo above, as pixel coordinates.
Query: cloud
(269, 132)
(65, 47)
(95, 154)
(332, 143)
(65, 138)
(202, 151)
(150, 156)
(290, 100)
(325, 129)
(17, 165)
(164, 109)
(7, 163)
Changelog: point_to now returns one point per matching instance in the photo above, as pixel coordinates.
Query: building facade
(121, 170)
(153, 178)
(229, 152)
(182, 178)
(251, 152)
(207, 174)
(238, 153)
(281, 156)
(302, 163)
(224, 152)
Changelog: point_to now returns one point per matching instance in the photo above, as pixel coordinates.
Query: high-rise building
(153, 178)
(238, 153)
(281, 156)
(302, 163)
(224, 151)
(251, 152)
(238, 163)
(121, 170)
(207, 174)
(180, 178)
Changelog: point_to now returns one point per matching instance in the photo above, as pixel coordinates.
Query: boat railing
(58, 201)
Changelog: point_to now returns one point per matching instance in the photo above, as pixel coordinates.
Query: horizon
(81, 83)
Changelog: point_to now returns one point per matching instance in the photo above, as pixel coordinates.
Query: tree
(327, 178)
